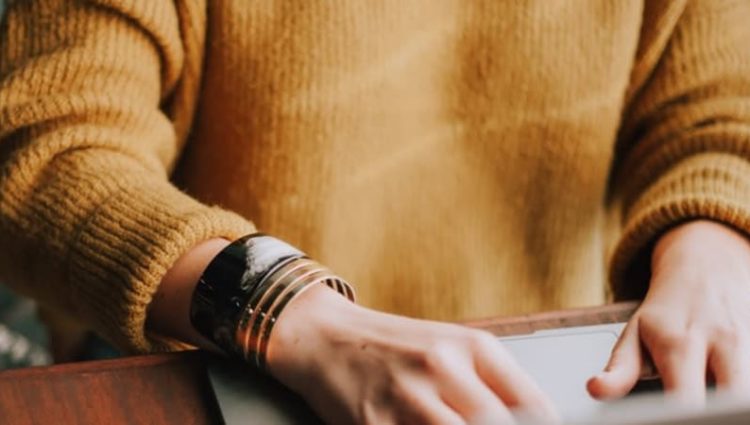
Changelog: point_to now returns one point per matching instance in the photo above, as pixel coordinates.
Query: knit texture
(452, 159)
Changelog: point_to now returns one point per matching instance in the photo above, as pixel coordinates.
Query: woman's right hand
(358, 366)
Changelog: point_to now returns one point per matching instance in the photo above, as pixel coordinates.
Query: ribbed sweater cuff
(127, 246)
(713, 186)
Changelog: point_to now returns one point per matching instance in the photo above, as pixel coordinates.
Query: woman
(451, 159)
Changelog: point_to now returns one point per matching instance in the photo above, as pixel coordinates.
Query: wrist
(245, 288)
(699, 238)
(700, 248)
(169, 311)
(304, 330)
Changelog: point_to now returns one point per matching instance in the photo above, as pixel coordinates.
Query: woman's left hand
(694, 321)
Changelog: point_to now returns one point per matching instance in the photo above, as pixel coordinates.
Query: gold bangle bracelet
(292, 289)
(281, 286)
(249, 311)
(247, 331)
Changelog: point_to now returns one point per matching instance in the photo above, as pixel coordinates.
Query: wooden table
(174, 388)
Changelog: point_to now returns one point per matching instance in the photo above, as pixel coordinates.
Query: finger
(624, 367)
(502, 374)
(681, 362)
(463, 391)
(730, 364)
(431, 410)
(421, 404)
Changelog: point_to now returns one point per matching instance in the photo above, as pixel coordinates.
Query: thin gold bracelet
(293, 289)
(280, 287)
(247, 331)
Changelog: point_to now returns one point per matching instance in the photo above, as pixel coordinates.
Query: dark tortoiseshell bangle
(230, 280)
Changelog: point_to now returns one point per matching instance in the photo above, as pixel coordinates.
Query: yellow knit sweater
(452, 159)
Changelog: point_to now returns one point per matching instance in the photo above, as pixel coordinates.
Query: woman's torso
(449, 158)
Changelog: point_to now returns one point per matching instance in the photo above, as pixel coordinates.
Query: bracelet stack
(244, 289)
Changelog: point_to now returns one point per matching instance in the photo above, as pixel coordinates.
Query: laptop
(560, 360)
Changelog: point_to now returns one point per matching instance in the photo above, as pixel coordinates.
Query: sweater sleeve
(89, 222)
(684, 146)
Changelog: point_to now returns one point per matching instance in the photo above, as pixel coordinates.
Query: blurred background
(23, 338)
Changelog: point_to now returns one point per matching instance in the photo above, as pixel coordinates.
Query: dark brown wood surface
(174, 388)
(529, 323)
